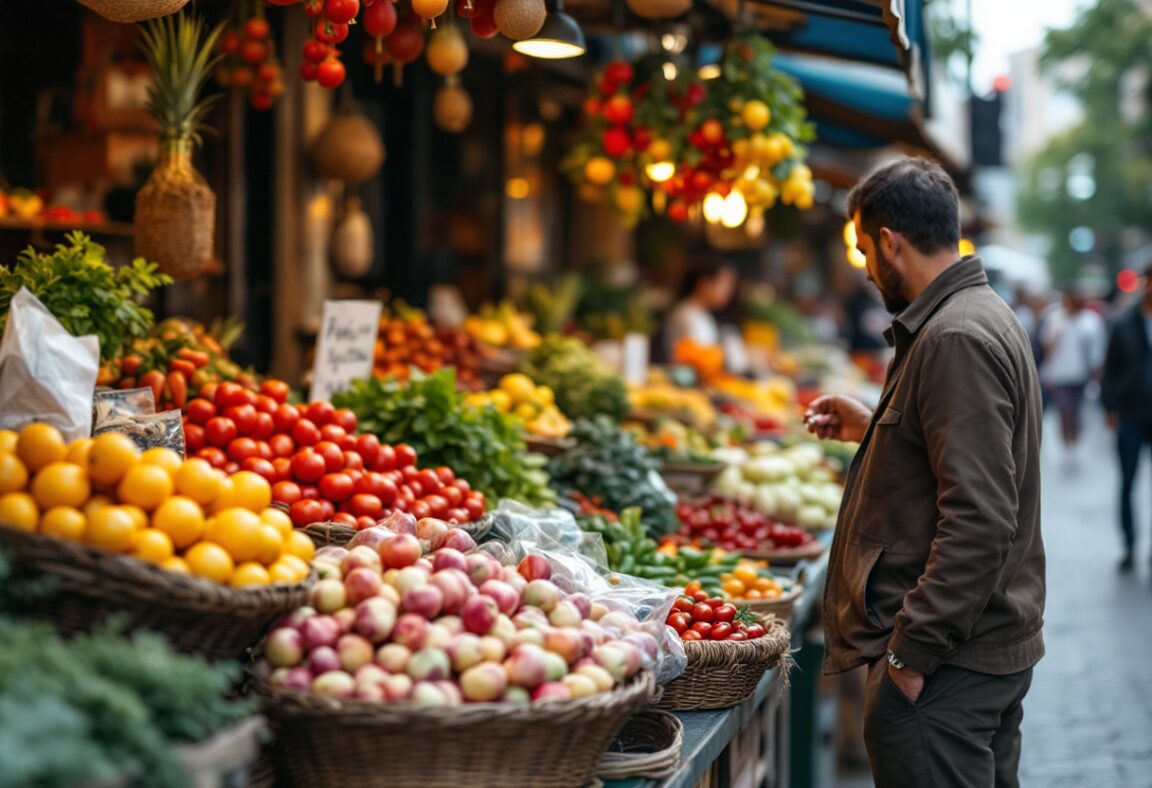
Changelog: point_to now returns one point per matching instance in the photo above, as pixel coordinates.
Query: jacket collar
(968, 272)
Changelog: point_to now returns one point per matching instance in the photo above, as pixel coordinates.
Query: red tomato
(193, 438)
(243, 416)
(305, 433)
(715, 602)
(702, 611)
(437, 506)
(353, 473)
(720, 631)
(679, 621)
(363, 523)
(346, 419)
(700, 596)
(219, 431)
(215, 456)
(306, 512)
(265, 426)
(265, 404)
(737, 636)
(264, 451)
(420, 509)
(200, 411)
(429, 481)
(308, 466)
(454, 496)
(446, 475)
(336, 487)
(475, 508)
(333, 457)
(262, 467)
(353, 461)
(283, 466)
(725, 613)
(703, 627)
(458, 516)
(405, 494)
(320, 413)
(309, 492)
(282, 445)
(231, 468)
(286, 492)
(755, 631)
(344, 518)
(285, 418)
(363, 505)
(691, 635)
(464, 486)
(405, 455)
(241, 449)
(230, 395)
(208, 391)
(276, 389)
(386, 459)
(368, 447)
(683, 604)
(341, 11)
(332, 432)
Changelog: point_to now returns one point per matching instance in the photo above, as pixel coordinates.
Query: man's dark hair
(913, 197)
(704, 267)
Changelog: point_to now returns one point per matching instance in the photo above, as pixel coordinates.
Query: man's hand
(836, 417)
(908, 681)
(1113, 419)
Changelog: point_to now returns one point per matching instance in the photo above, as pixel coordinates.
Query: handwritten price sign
(344, 347)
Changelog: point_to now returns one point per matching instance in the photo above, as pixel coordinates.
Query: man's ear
(889, 242)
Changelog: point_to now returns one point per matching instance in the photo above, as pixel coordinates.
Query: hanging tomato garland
(249, 57)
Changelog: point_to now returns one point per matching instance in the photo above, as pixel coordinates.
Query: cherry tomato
(200, 411)
(333, 457)
(344, 518)
(320, 413)
(306, 512)
(405, 455)
(282, 445)
(208, 391)
(464, 486)
(214, 455)
(305, 433)
(368, 447)
(347, 442)
(346, 419)
(340, 11)
(715, 602)
(219, 431)
(308, 466)
(755, 631)
(737, 636)
(420, 509)
(265, 426)
(720, 631)
(386, 459)
(262, 467)
(363, 505)
(691, 635)
(453, 495)
(363, 523)
(353, 461)
(265, 404)
(285, 418)
(332, 432)
(264, 451)
(458, 515)
(242, 449)
(447, 475)
(683, 603)
(702, 611)
(230, 395)
(700, 596)
(679, 621)
(336, 486)
(703, 627)
(231, 468)
(314, 52)
(437, 506)
(309, 492)
(193, 438)
(475, 508)
(725, 613)
(692, 588)
(429, 481)
(283, 466)
(286, 492)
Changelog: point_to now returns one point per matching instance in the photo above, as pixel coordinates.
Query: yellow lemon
(153, 545)
(210, 561)
(112, 528)
(40, 444)
(61, 484)
(599, 170)
(756, 115)
(111, 456)
(13, 474)
(249, 573)
(64, 522)
(163, 458)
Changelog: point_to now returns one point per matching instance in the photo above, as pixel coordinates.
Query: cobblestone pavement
(1088, 716)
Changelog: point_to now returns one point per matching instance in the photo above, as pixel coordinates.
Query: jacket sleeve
(1113, 363)
(968, 408)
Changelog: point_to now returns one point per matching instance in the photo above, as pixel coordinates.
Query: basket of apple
(447, 669)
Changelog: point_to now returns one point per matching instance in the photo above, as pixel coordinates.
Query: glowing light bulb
(735, 210)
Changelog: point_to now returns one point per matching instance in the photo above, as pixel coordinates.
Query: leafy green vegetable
(607, 464)
(86, 294)
(584, 387)
(479, 444)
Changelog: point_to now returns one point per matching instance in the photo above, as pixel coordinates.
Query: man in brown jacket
(936, 574)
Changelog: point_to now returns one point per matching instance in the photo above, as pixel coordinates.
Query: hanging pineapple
(175, 209)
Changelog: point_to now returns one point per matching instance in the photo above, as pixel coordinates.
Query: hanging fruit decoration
(484, 19)
(405, 45)
(447, 51)
(379, 21)
(520, 19)
(452, 106)
(249, 56)
(731, 146)
(430, 9)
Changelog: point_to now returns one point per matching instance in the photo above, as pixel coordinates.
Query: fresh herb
(479, 444)
(86, 294)
(607, 464)
(584, 387)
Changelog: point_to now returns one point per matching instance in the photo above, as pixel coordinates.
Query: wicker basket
(648, 746)
(134, 10)
(725, 673)
(175, 222)
(197, 616)
(227, 757)
(322, 742)
(788, 556)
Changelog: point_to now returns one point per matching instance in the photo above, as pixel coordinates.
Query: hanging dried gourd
(349, 149)
(659, 9)
(452, 107)
(175, 222)
(447, 51)
(520, 19)
(351, 248)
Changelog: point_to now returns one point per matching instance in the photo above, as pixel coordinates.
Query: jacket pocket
(866, 563)
(883, 472)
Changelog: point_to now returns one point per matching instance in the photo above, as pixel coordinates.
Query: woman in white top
(708, 288)
(1074, 339)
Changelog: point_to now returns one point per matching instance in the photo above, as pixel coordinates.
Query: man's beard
(890, 283)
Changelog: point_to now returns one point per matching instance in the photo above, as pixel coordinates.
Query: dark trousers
(962, 732)
(1131, 438)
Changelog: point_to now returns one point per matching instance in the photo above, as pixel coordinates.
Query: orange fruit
(112, 528)
(734, 588)
(745, 573)
(96, 502)
(290, 568)
(8, 440)
(19, 510)
(249, 573)
(176, 564)
(139, 516)
(146, 486)
(61, 484)
(271, 544)
(238, 531)
(754, 593)
(198, 480)
(225, 495)
(111, 456)
(181, 519)
(40, 444)
(278, 518)
(300, 545)
(153, 545)
(78, 451)
(64, 522)
(164, 458)
(210, 561)
(13, 474)
(251, 491)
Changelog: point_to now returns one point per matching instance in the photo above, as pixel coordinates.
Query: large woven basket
(323, 742)
(198, 616)
(134, 10)
(647, 746)
(175, 220)
(725, 673)
(781, 606)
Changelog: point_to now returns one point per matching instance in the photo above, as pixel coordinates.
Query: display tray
(708, 470)
(788, 556)
(549, 447)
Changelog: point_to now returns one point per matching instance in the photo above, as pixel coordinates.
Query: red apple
(328, 596)
(359, 557)
(542, 594)
(284, 648)
(319, 630)
(362, 583)
(505, 595)
(465, 650)
(323, 659)
(411, 630)
(355, 652)
(535, 567)
(459, 539)
(448, 558)
(334, 684)
(527, 667)
(484, 682)
(479, 614)
(398, 687)
(552, 690)
(375, 619)
(393, 657)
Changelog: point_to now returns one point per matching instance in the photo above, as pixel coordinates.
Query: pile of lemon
(182, 515)
(534, 405)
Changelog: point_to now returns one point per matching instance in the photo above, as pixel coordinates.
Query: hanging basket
(349, 148)
(175, 223)
(659, 9)
(134, 10)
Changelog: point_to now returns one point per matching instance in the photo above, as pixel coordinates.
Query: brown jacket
(937, 555)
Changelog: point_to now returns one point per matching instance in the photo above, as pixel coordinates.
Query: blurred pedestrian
(1126, 393)
(936, 573)
(708, 288)
(1074, 338)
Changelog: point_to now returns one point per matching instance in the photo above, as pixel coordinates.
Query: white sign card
(344, 346)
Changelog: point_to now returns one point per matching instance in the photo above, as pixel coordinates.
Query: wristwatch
(894, 661)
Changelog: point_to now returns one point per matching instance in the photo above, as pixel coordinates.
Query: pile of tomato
(317, 464)
(697, 616)
(723, 523)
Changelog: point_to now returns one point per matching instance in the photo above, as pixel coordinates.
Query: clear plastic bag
(637, 609)
(111, 404)
(149, 431)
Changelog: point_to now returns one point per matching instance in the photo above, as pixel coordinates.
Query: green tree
(1098, 174)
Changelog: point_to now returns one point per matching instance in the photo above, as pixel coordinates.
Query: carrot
(185, 368)
(155, 379)
(128, 383)
(178, 388)
(131, 364)
(198, 358)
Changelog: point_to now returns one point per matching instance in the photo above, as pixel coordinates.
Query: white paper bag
(46, 374)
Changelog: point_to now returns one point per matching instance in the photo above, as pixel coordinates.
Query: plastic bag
(150, 431)
(46, 374)
(111, 404)
(637, 608)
